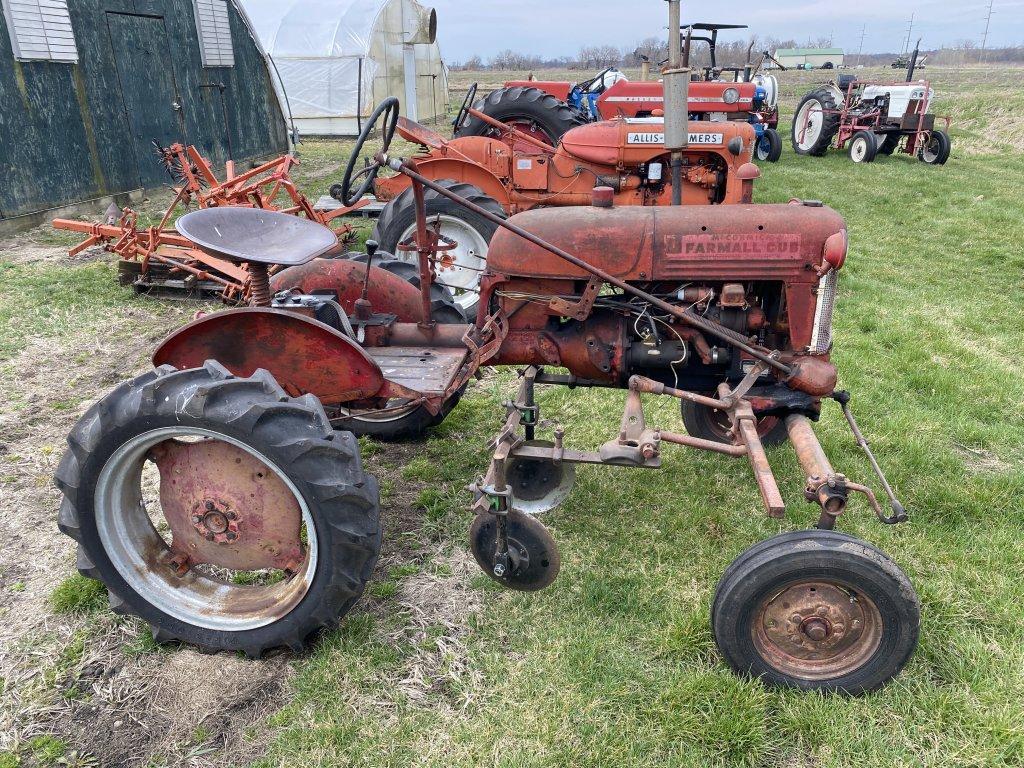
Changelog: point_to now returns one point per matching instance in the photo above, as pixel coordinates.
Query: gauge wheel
(816, 123)
(935, 151)
(816, 610)
(769, 146)
(712, 424)
(459, 269)
(863, 147)
(218, 509)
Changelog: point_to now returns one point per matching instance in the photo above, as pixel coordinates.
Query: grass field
(614, 665)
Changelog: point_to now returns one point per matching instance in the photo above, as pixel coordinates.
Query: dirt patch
(979, 460)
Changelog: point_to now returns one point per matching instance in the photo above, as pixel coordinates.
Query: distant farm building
(338, 59)
(88, 85)
(809, 58)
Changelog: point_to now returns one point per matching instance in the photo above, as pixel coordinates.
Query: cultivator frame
(268, 186)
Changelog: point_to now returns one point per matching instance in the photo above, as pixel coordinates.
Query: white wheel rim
(129, 540)
(458, 269)
(859, 150)
(809, 123)
(931, 155)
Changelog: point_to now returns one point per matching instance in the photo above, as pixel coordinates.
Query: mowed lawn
(614, 665)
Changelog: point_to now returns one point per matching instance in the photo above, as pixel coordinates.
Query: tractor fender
(485, 172)
(304, 355)
(387, 292)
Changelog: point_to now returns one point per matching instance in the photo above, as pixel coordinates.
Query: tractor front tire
(816, 610)
(710, 424)
(815, 123)
(936, 150)
(769, 146)
(470, 230)
(863, 147)
(265, 442)
(525, 108)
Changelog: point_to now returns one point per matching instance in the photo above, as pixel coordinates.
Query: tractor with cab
(221, 496)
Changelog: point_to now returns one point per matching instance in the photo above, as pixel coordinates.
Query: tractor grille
(821, 338)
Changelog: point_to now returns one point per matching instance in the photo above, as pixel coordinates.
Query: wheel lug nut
(210, 506)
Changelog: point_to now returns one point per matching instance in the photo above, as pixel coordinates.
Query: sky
(551, 28)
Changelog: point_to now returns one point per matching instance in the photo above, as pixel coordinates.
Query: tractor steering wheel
(389, 110)
(460, 118)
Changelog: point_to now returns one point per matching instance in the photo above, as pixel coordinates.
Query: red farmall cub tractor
(872, 118)
(221, 498)
(514, 171)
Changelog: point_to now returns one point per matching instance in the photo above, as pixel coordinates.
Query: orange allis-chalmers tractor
(221, 497)
(514, 171)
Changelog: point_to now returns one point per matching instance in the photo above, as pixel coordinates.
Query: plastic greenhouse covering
(337, 58)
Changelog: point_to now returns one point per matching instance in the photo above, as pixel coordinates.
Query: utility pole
(910, 28)
(860, 50)
(984, 37)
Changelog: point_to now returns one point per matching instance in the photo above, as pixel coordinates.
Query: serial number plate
(659, 138)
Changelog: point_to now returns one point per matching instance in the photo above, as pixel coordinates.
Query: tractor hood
(733, 242)
(628, 142)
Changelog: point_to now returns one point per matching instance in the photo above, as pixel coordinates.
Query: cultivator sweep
(159, 258)
(266, 527)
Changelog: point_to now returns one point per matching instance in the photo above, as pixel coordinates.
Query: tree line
(732, 53)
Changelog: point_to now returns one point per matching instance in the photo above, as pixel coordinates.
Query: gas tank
(628, 142)
(643, 243)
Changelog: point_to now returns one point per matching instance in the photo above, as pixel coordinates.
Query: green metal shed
(86, 86)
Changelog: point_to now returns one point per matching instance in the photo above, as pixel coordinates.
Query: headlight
(731, 96)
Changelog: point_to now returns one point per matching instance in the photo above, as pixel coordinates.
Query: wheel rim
(393, 410)
(859, 150)
(930, 151)
(763, 148)
(458, 269)
(809, 123)
(817, 629)
(203, 596)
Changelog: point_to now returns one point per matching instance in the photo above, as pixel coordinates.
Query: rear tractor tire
(863, 147)
(260, 530)
(815, 123)
(471, 231)
(816, 610)
(528, 109)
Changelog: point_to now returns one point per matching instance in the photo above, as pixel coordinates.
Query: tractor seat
(256, 236)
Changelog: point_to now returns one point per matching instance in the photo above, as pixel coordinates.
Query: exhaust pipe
(677, 90)
(913, 61)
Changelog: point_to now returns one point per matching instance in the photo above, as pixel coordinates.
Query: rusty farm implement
(221, 496)
(159, 258)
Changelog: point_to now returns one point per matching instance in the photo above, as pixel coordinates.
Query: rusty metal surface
(387, 292)
(817, 629)
(429, 371)
(303, 355)
(226, 508)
